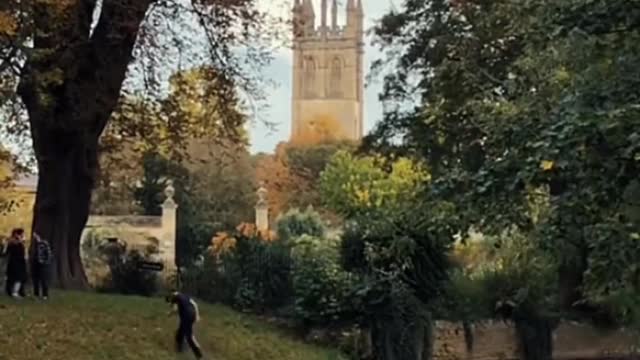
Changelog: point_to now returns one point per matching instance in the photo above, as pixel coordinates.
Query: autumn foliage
(224, 241)
(291, 173)
(320, 129)
(272, 170)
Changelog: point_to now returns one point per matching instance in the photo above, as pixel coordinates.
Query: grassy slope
(88, 326)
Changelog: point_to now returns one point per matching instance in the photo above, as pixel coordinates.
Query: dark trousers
(8, 287)
(185, 332)
(40, 275)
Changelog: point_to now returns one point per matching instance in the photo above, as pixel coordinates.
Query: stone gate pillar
(262, 209)
(169, 224)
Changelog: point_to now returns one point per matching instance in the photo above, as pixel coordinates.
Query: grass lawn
(87, 326)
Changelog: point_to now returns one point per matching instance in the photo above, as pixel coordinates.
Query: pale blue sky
(278, 110)
(264, 139)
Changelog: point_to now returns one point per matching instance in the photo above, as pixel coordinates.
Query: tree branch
(111, 47)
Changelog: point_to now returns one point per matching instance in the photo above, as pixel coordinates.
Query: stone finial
(334, 15)
(262, 194)
(169, 192)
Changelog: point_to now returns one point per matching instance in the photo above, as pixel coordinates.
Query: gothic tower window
(309, 77)
(335, 77)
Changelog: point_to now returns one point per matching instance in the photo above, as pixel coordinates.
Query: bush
(261, 271)
(321, 288)
(612, 279)
(252, 269)
(205, 281)
(295, 223)
(517, 282)
(124, 276)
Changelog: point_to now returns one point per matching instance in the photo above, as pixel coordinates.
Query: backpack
(43, 252)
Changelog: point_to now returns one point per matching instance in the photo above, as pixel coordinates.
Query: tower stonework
(327, 70)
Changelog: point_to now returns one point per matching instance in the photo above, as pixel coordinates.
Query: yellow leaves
(351, 184)
(547, 165)
(506, 108)
(224, 242)
(562, 76)
(363, 196)
(409, 172)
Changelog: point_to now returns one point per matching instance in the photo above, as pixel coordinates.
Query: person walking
(41, 256)
(16, 265)
(188, 315)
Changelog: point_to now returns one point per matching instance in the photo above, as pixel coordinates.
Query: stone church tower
(327, 70)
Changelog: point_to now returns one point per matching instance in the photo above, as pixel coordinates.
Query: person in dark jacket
(41, 257)
(188, 314)
(16, 265)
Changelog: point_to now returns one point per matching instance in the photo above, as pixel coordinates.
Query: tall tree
(215, 192)
(71, 58)
(525, 99)
(292, 174)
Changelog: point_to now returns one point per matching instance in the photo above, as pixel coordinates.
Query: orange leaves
(273, 171)
(322, 128)
(221, 243)
(250, 230)
(224, 242)
(8, 25)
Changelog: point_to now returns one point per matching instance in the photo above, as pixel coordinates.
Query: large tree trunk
(66, 171)
(70, 85)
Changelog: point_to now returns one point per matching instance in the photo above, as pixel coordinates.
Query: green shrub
(205, 281)
(517, 282)
(296, 223)
(321, 287)
(124, 275)
(254, 270)
(612, 279)
(263, 269)
(352, 247)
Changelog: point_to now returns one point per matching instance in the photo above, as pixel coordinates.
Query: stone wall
(498, 341)
(139, 232)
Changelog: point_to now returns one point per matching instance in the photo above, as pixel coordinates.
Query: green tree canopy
(352, 185)
(519, 101)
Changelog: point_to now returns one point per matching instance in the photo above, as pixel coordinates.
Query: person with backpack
(188, 315)
(16, 265)
(41, 256)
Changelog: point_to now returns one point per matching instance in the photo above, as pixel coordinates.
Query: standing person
(3, 254)
(188, 314)
(41, 256)
(16, 265)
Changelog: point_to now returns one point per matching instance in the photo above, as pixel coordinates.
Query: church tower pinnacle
(334, 15)
(323, 23)
(327, 87)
